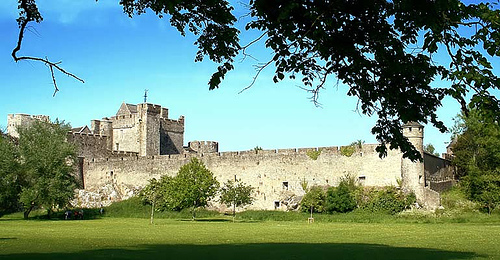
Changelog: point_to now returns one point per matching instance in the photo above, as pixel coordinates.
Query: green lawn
(121, 238)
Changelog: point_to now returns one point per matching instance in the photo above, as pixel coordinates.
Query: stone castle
(119, 154)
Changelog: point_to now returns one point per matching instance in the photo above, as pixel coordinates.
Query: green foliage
(484, 189)
(430, 149)
(195, 184)
(193, 187)
(313, 154)
(342, 198)
(477, 156)
(314, 199)
(456, 200)
(10, 182)
(388, 200)
(236, 194)
(257, 148)
(44, 165)
(347, 150)
(304, 184)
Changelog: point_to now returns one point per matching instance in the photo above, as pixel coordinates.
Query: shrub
(313, 154)
(347, 150)
(388, 200)
(455, 199)
(315, 199)
(340, 199)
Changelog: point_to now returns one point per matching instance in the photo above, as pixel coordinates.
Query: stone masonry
(120, 154)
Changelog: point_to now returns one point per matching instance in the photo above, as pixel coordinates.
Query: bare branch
(22, 27)
(244, 48)
(260, 68)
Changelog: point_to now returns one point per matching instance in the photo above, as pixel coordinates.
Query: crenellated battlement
(367, 150)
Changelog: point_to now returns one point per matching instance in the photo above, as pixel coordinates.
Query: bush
(313, 154)
(387, 200)
(455, 200)
(347, 150)
(315, 199)
(340, 199)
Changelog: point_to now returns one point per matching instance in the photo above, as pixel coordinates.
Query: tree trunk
(194, 211)
(234, 211)
(152, 212)
(27, 212)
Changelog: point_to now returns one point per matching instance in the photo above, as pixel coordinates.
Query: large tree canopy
(384, 51)
(476, 150)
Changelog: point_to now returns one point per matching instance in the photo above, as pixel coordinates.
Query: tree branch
(32, 15)
(260, 68)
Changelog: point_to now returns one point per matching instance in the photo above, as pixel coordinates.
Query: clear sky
(119, 58)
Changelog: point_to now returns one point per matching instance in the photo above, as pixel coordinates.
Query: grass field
(131, 238)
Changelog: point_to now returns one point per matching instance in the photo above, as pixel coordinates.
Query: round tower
(412, 172)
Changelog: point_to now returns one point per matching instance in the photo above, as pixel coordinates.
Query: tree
(314, 200)
(236, 194)
(47, 165)
(151, 194)
(386, 52)
(476, 151)
(429, 148)
(10, 178)
(195, 185)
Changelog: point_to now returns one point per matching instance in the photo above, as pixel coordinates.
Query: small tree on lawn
(236, 194)
(150, 194)
(195, 185)
(313, 200)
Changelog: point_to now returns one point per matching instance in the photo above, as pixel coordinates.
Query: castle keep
(119, 154)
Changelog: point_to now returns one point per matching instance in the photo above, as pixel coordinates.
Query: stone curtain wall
(439, 173)
(275, 174)
(90, 145)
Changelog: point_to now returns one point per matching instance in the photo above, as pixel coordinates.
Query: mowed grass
(131, 238)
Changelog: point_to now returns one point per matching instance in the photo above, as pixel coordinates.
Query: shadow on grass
(256, 251)
(7, 238)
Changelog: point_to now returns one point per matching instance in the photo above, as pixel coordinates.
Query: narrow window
(276, 204)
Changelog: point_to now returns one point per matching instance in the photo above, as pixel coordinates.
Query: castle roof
(81, 129)
(126, 109)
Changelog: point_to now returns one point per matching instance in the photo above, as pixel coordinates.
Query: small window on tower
(276, 204)
(285, 185)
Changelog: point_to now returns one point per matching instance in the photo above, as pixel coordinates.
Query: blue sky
(119, 57)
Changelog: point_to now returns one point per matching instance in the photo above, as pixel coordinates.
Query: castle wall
(90, 145)
(439, 173)
(172, 136)
(125, 129)
(274, 174)
(22, 120)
